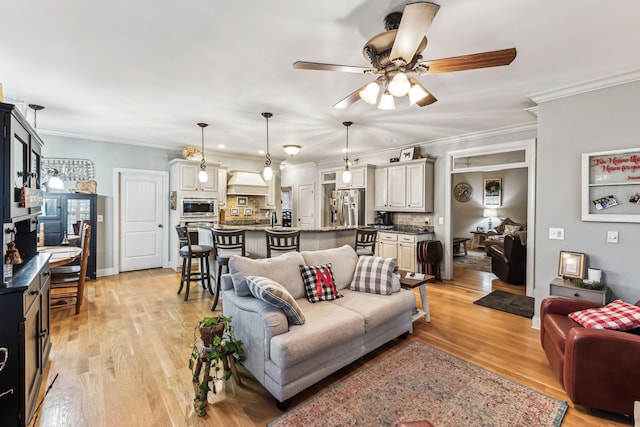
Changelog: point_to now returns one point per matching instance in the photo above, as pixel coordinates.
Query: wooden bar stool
(225, 244)
(188, 252)
(282, 241)
(366, 241)
(430, 256)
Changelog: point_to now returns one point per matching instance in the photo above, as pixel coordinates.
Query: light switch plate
(556, 233)
(612, 237)
(440, 220)
(100, 218)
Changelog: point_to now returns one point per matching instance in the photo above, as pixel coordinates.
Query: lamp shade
(267, 173)
(55, 183)
(346, 176)
(370, 93)
(203, 176)
(386, 102)
(416, 93)
(490, 213)
(399, 85)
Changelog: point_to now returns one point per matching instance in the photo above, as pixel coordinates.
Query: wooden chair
(74, 267)
(189, 252)
(70, 285)
(430, 256)
(225, 244)
(366, 241)
(282, 241)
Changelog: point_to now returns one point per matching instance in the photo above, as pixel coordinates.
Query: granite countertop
(405, 229)
(262, 227)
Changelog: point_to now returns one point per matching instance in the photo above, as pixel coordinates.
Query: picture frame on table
(492, 195)
(248, 211)
(479, 229)
(571, 265)
(234, 211)
(407, 154)
(242, 201)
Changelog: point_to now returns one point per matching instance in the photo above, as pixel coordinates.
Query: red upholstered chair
(598, 368)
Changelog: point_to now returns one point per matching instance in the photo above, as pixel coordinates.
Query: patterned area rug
(420, 382)
(506, 301)
(473, 261)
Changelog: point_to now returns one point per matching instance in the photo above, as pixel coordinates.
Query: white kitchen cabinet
(222, 188)
(415, 191)
(184, 177)
(407, 256)
(272, 199)
(380, 191)
(359, 176)
(401, 246)
(387, 246)
(397, 187)
(405, 186)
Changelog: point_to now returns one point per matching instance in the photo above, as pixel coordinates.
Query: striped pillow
(277, 295)
(374, 275)
(319, 282)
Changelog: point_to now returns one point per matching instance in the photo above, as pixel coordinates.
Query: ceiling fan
(397, 52)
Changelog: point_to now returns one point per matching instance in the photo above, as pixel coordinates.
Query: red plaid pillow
(617, 315)
(319, 282)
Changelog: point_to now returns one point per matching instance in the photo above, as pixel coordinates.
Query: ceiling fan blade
(494, 58)
(303, 65)
(416, 20)
(350, 99)
(428, 99)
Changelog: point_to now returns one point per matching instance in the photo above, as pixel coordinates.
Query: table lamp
(490, 213)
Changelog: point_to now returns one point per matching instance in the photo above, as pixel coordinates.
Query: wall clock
(462, 192)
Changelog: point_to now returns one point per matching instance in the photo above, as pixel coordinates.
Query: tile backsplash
(246, 209)
(409, 218)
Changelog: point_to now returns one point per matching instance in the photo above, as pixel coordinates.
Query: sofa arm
(564, 306)
(601, 369)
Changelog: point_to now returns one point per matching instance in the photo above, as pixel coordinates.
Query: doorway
(140, 216)
(487, 160)
(305, 206)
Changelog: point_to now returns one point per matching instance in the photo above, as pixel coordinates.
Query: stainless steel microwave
(195, 207)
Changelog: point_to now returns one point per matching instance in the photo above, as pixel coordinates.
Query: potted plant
(218, 350)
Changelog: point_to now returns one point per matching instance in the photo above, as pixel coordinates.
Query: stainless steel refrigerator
(347, 207)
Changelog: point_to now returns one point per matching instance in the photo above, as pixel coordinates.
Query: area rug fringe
(419, 382)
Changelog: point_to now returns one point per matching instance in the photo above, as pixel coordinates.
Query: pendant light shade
(346, 174)
(386, 102)
(370, 93)
(399, 85)
(267, 172)
(416, 93)
(202, 175)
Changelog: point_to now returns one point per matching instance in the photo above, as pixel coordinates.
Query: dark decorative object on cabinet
(60, 213)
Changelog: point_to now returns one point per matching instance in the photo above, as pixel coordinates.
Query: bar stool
(430, 256)
(282, 241)
(189, 252)
(366, 241)
(225, 244)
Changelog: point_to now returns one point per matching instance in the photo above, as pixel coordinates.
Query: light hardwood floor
(123, 360)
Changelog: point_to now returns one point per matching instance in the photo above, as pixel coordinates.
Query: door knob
(159, 225)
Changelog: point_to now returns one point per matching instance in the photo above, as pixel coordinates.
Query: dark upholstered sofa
(509, 260)
(598, 368)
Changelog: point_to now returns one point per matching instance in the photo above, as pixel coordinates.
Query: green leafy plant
(213, 349)
(596, 286)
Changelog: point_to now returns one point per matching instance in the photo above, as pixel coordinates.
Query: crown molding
(584, 87)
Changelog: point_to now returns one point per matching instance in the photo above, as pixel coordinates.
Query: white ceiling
(146, 71)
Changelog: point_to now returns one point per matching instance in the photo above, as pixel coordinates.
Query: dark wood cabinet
(60, 211)
(24, 340)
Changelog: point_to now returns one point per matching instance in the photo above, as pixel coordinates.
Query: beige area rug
(473, 261)
(419, 382)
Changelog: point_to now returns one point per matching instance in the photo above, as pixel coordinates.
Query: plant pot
(208, 333)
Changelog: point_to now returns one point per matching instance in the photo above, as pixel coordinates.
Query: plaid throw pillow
(319, 282)
(277, 295)
(374, 275)
(617, 315)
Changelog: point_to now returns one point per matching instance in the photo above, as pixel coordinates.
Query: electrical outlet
(612, 237)
(427, 220)
(556, 233)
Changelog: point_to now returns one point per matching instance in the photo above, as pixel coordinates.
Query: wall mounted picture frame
(407, 154)
(571, 265)
(234, 211)
(242, 201)
(248, 211)
(492, 195)
(173, 195)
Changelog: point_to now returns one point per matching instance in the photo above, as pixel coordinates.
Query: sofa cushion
(375, 309)
(277, 295)
(374, 275)
(319, 282)
(342, 259)
(617, 315)
(511, 229)
(282, 269)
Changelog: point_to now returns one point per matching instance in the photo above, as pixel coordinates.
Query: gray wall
(601, 120)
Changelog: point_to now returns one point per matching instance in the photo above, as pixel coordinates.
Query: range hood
(246, 183)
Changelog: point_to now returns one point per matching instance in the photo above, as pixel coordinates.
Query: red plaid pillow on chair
(617, 315)
(319, 282)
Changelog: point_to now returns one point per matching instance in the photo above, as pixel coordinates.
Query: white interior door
(305, 205)
(141, 220)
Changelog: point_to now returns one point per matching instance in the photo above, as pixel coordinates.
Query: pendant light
(267, 173)
(202, 175)
(346, 174)
(35, 108)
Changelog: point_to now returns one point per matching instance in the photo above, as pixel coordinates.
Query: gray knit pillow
(374, 275)
(277, 295)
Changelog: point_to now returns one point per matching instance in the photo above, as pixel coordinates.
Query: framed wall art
(248, 211)
(571, 265)
(242, 201)
(492, 192)
(234, 211)
(407, 154)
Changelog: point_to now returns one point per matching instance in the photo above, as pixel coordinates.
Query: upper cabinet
(405, 186)
(184, 177)
(361, 177)
(222, 188)
(21, 160)
(272, 199)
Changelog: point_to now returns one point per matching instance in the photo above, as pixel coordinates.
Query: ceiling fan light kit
(267, 172)
(398, 52)
(202, 175)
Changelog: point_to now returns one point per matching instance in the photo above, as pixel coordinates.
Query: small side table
(408, 283)
(566, 289)
(477, 241)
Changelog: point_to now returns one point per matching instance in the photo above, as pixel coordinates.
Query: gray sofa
(287, 359)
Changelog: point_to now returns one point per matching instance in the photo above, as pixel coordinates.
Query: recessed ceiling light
(394, 140)
(261, 152)
(222, 146)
